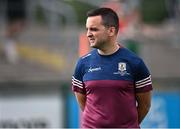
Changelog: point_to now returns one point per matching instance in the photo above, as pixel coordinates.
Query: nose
(89, 34)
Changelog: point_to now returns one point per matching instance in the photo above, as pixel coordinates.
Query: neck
(110, 49)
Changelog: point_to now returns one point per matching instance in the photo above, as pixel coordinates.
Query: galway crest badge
(122, 67)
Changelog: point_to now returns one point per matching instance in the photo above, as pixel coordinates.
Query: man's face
(96, 32)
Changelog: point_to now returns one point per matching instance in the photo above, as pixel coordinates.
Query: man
(112, 85)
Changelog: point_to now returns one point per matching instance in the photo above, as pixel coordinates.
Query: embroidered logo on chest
(122, 69)
(94, 69)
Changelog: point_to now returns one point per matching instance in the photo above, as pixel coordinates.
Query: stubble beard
(98, 44)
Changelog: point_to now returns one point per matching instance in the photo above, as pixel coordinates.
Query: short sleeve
(77, 78)
(143, 81)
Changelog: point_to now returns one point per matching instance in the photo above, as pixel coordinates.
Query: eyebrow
(92, 28)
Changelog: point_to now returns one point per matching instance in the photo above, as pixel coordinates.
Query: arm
(81, 98)
(144, 103)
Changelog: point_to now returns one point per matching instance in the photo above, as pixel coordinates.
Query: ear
(111, 31)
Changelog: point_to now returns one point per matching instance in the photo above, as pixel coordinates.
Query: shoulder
(83, 61)
(88, 56)
(131, 56)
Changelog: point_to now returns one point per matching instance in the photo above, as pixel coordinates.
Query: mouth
(91, 40)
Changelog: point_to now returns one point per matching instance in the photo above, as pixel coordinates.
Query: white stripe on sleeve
(77, 83)
(144, 82)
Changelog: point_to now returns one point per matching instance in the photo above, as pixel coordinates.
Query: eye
(94, 29)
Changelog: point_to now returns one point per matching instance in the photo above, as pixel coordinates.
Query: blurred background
(40, 41)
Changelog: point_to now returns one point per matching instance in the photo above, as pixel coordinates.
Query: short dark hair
(109, 17)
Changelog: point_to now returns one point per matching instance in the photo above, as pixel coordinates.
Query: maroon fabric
(107, 103)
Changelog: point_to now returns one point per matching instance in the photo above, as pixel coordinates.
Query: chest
(108, 69)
